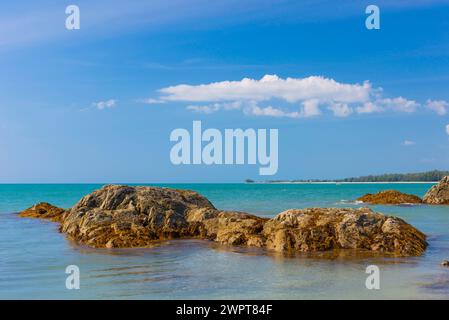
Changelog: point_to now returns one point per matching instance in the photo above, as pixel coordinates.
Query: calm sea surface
(33, 255)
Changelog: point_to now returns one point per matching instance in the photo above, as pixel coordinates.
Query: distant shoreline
(336, 182)
(428, 177)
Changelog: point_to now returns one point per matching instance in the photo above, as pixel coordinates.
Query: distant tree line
(434, 175)
(428, 176)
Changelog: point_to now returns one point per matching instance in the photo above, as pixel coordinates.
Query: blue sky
(79, 106)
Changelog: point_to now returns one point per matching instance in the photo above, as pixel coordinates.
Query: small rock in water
(43, 210)
(439, 193)
(390, 197)
(445, 263)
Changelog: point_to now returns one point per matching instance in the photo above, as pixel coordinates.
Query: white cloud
(447, 129)
(269, 111)
(340, 109)
(438, 106)
(232, 105)
(408, 143)
(211, 108)
(101, 105)
(152, 101)
(204, 109)
(315, 94)
(310, 108)
(270, 87)
(369, 107)
(399, 104)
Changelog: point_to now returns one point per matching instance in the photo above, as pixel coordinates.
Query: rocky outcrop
(43, 210)
(319, 229)
(439, 193)
(123, 216)
(229, 227)
(390, 197)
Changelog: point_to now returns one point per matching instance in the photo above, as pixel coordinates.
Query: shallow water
(33, 255)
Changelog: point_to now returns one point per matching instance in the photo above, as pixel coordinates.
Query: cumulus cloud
(204, 109)
(399, 104)
(270, 87)
(340, 109)
(101, 105)
(438, 106)
(369, 107)
(290, 97)
(270, 111)
(211, 108)
(408, 143)
(310, 108)
(153, 101)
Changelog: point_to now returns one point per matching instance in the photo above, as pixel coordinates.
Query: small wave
(353, 202)
(410, 204)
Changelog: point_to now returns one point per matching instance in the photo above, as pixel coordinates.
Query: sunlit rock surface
(439, 193)
(123, 216)
(390, 197)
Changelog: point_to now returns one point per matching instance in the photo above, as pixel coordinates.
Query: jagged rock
(123, 216)
(43, 210)
(390, 197)
(229, 227)
(439, 193)
(318, 229)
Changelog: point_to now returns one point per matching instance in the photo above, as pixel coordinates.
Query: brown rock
(122, 216)
(390, 197)
(43, 210)
(318, 229)
(229, 227)
(439, 193)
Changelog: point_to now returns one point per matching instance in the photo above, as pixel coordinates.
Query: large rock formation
(390, 197)
(123, 216)
(43, 210)
(318, 229)
(439, 193)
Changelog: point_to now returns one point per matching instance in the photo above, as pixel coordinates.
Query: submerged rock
(123, 216)
(390, 197)
(43, 210)
(439, 193)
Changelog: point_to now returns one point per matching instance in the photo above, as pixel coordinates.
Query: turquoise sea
(34, 256)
